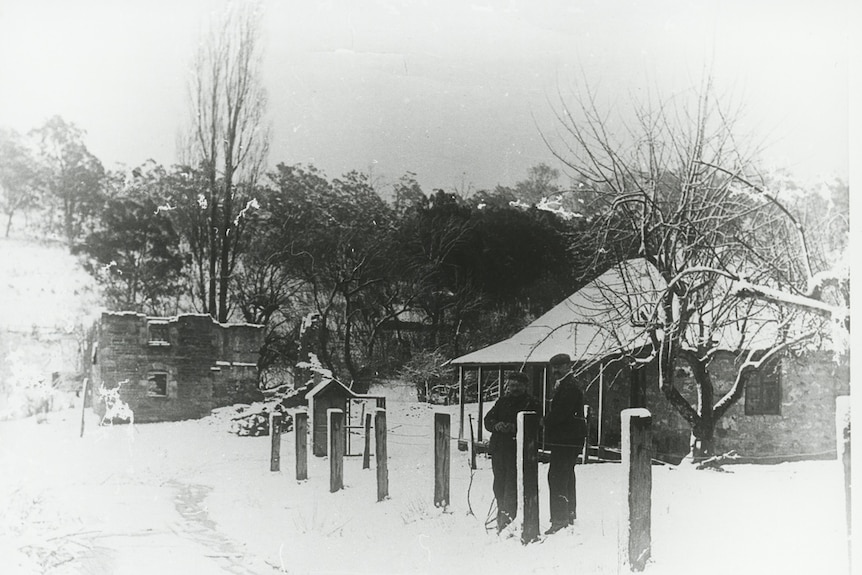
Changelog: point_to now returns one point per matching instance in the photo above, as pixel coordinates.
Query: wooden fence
(636, 459)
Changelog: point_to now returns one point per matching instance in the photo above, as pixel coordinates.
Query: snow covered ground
(188, 497)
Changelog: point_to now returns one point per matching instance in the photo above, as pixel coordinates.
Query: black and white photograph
(402, 287)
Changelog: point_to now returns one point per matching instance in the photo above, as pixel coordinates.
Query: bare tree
(679, 191)
(228, 140)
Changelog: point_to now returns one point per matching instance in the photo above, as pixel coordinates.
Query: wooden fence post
(441, 459)
(335, 418)
(842, 444)
(528, 474)
(84, 405)
(637, 470)
(300, 429)
(275, 432)
(380, 454)
(366, 454)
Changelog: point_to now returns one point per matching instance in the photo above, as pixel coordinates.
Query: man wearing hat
(501, 421)
(565, 431)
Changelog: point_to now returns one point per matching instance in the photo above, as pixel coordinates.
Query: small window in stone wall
(157, 384)
(763, 391)
(157, 333)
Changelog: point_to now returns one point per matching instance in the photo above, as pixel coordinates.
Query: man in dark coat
(501, 421)
(565, 431)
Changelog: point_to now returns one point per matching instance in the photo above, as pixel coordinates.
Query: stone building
(173, 368)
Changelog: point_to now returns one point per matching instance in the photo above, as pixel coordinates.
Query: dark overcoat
(506, 411)
(564, 422)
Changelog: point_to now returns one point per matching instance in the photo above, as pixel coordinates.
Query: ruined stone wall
(177, 368)
(119, 357)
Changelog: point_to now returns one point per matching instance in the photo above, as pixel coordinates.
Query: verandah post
(528, 474)
(366, 454)
(300, 430)
(441, 459)
(481, 404)
(585, 451)
(335, 418)
(637, 472)
(380, 454)
(460, 402)
(600, 423)
(471, 447)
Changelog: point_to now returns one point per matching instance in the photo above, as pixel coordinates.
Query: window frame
(150, 378)
(163, 333)
(757, 398)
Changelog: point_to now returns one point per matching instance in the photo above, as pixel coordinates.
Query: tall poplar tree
(228, 141)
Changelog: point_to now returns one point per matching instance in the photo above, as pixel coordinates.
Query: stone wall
(176, 368)
(804, 428)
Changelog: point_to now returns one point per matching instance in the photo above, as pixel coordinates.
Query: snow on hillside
(42, 285)
(188, 497)
(46, 302)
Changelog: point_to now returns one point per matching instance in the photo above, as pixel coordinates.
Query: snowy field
(188, 497)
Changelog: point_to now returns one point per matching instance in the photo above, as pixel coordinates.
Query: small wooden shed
(328, 394)
(332, 394)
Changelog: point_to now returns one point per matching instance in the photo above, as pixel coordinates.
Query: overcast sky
(454, 91)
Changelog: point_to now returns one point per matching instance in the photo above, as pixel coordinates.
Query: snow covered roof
(324, 384)
(586, 325)
(604, 317)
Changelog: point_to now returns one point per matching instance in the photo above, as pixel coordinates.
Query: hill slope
(46, 300)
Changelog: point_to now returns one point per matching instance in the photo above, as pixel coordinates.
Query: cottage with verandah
(787, 411)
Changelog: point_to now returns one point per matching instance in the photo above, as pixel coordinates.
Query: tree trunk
(67, 221)
(324, 356)
(226, 229)
(348, 359)
(436, 321)
(213, 236)
(676, 399)
(703, 432)
(202, 285)
(456, 337)
(702, 441)
(637, 388)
